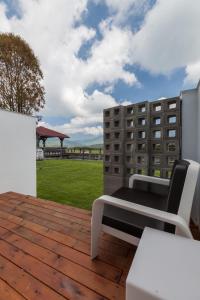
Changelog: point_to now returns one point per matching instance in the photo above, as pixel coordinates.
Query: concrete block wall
(165, 136)
(114, 136)
(143, 138)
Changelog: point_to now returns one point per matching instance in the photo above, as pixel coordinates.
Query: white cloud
(161, 98)
(3, 19)
(89, 122)
(122, 10)
(169, 37)
(192, 73)
(110, 55)
(78, 125)
(75, 127)
(52, 32)
(90, 118)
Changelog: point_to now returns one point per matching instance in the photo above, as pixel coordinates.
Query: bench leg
(96, 228)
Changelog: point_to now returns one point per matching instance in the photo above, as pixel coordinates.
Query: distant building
(143, 138)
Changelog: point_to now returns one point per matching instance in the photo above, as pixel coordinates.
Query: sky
(96, 54)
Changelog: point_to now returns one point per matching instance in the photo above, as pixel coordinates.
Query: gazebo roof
(44, 132)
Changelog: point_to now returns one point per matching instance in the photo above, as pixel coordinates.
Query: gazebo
(44, 133)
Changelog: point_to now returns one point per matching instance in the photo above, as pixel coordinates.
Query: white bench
(165, 266)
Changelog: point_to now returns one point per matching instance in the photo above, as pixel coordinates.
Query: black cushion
(148, 194)
(177, 181)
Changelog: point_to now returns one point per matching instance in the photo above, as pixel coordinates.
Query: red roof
(48, 133)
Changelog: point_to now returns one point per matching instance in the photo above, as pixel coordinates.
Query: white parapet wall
(191, 137)
(17, 153)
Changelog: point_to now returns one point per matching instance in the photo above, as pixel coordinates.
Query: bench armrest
(152, 179)
(98, 206)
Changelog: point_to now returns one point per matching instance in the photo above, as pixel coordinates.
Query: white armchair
(149, 201)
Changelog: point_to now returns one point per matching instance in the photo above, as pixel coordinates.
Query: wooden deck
(45, 253)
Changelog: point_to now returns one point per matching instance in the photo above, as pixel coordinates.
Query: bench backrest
(177, 181)
(182, 188)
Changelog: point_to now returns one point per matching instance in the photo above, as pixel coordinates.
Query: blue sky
(152, 86)
(100, 53)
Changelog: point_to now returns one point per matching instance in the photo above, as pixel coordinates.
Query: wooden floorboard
(68, 214)
(7, 292)
(99, 267)
(64, 226)
(45, 253)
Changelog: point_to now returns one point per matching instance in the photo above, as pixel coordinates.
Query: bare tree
(21, 87)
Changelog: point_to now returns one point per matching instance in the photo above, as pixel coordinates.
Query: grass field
(71, 182)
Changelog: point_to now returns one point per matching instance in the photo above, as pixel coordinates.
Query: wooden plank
(76, 272)
(37, 205)
(52, 212)
(62, 238)
(195, 230)
(127, 268)
(8, 293)
(24, 283)
(42, 221)
(57, 206)
(45, 239)
(79, 234)
(34, 202)
(117, 261)
(53, 219)
(106, 237)
(84, 223)
(97, 266)
(49, 276)
(62, 206)
(102, 268)
(35, 212)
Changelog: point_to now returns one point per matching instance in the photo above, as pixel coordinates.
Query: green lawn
(72, 182)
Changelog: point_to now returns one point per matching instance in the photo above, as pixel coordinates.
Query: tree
(21, 89)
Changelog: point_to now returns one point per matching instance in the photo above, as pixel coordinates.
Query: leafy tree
(20, 76)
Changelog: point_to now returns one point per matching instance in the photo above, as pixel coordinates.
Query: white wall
(198, 117)
(17, 153)
(189, 124)
(191, 137)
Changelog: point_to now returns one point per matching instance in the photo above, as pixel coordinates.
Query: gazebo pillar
(44, 142)
(61, 142)
(38, 141)
(61, 146)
